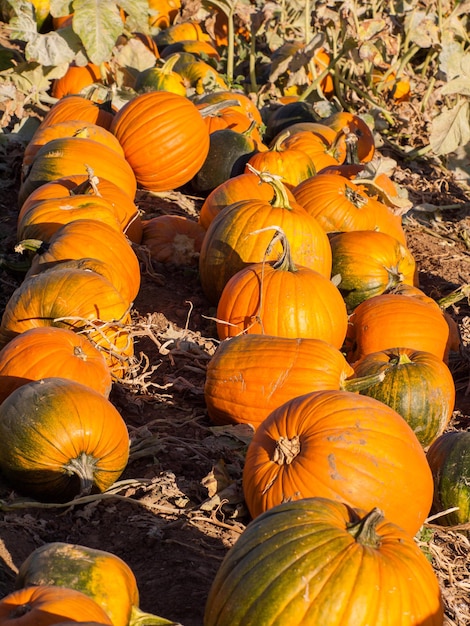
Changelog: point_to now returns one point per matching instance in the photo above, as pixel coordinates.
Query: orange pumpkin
(164, 138)
(51, 351)
(345, 123)
(44, 605)
(341, 446)
(173, 239)
(75, 107)
(245, 104)
(307, 304)
(75, 79)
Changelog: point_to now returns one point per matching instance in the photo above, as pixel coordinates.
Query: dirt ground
(164, 519)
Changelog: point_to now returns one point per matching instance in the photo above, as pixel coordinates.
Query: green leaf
(60, 8)
(98, 24)
(137, 11)
(34, 77)
(450, 129)
(23, 26)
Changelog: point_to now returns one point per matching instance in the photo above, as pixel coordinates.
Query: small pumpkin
(44, 605)
(173, 239)
(416, 384)
(345, 123)
(75, 107)
(342, 446)
(449, 460)
(316, 561)
(161, 77)
(51, 351)
(60, 439)
(75, 79)
(307, 304)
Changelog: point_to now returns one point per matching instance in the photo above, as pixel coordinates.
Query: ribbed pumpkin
(232, 241)
(44, 218)
(345, 123)
(74, 155)
(173, 239)
(76, 107)
(164, 138)
(342, 446)
(367, 263)
(45, 605)
(390, 320)
(245, 104)
(449, 459)
(75, 79)
(322, 563)
(87, 238)
(251, 375)
(102, 575)
(79, 184)
(322, 152)
(161, 77)
(60, 439)
(50, 351)
(282, 299)
(416, 384)
(340, 205)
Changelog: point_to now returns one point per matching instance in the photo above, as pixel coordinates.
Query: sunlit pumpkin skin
(449, 459)
(164, 138)
(321, 152)
(367, 263)
(162, 13)
(229, 117)
(173, 239)
(43, 219)
(242, 187)
(76, 107)
(99, 574)
(69, 128)
(200, 49)
(389, 320)
(417, 385)
(75, 79)
(251, 375)
(182, 31)
(283, 300)
(78, 184)
(340, 205)
(61, 439)
(352, 123)
(230, 243)
(161, 77)
(316, 561)
(86, 238)
(45, 605)
(50, 351)
(342, 446)
(245, 104)
(72, 155)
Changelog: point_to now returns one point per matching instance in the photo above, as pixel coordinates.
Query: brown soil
(166, 519)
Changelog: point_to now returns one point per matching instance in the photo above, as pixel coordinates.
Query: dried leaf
(422, 29)
(450, 129)
(98, 23)
(457, 86)
(450, 59)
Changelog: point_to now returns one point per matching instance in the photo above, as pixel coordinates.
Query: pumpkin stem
(280, 199)
(399, 358)
(364, 531)
(286, 450)
(351, 148)
(213, 109)
(82, 466)
(355, 197)
(140, 618)
(33, 245)
(356, 385)
(90, 184)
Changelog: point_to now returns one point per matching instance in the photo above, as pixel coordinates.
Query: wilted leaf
(450, 129)
(53, 48)
(23, 26)
(457, 86)
(368, 29)
(59, 8)
(422, 29)
(450, 59)
(98, 23)
(137, 12)
(34, 77)
(134, 54)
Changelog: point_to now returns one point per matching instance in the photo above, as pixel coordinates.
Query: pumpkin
(345, 123)
(245, 104)
(449, 460)
(99, 574)
(78, 184)
(416, 384)
(164, 137)
(200, 49)
(61, 439)
(45, 605)
(231, 117)
(182, 31)
(84, 238)
(75, 107)
(340, 205)
(74, 155)
(316, 561)
(390, 320)
(343, 446)
(162, 13)
(51, 351)
(77, 299)
(68, 128)
(322, 152)
(173, 239)
(242, 187)
(252, 374)
(75, 79)
(366, 263)
(285, 115)
(232, 240)
(161, 77)
(284, 300)
(43, 219)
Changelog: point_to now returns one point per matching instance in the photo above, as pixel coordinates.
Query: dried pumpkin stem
(286, 450)
(364, 531)
(83, 466)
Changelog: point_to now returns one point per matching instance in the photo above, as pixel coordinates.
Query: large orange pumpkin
(75, 107)
(51, 351)
(44, 605)
(164, 138)
(342, 446)
(60, 439)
